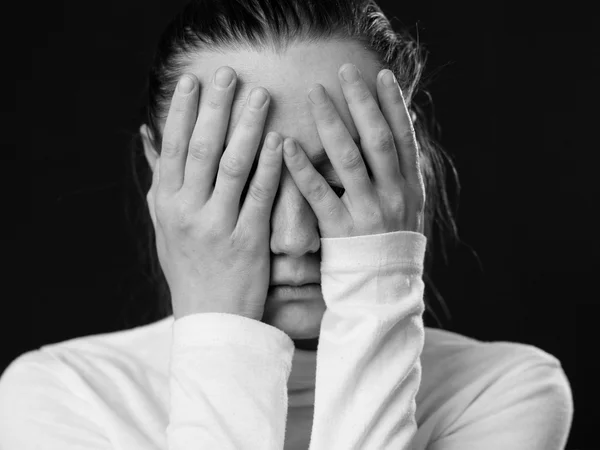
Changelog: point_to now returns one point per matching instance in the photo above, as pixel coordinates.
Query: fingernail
(289, 147)
(273, 141)
(258, 98)
(388, 79)
(317, 95)
(350, 74)
(223, 77)
(186, 84)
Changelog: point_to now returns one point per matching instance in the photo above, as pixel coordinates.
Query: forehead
(288, 77)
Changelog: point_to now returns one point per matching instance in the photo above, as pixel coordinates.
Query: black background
(515, 94)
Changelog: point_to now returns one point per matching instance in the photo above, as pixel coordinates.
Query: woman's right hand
(214, 251)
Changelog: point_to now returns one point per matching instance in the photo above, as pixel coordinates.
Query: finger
(396, 113)
(341, 149)
(151, 196)
(207, 141)
(237, 160)
(178, 128)
(376, 136)
(261, 193)
(326, 205)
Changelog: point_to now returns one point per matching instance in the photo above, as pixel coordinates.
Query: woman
(319, 243)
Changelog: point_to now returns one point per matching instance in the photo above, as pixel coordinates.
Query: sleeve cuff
(397, 247)
(213, 329)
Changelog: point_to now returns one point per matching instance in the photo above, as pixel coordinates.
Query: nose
(294, 226)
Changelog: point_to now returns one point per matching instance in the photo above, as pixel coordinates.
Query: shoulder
(455, 350)
(35, 396)
(465, 380)
(144, 345)
(47, 390)
(451, 361)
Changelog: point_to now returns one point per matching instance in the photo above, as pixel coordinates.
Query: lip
(287, 292)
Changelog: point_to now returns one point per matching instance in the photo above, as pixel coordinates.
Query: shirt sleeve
(228, 383)
(372, 337)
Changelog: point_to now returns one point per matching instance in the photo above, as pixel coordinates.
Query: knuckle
(161, 203)
(181, 214)
(232, 166)
(328, 118)
(363, 96)
(173, 212)
(318, 192)
(200, 150)
(260, 192)
(213, 230)
(216, 99)
(385, 140)
(351, 160)
(214, 103)
(170, 147)
(408, 137)
(270, 168)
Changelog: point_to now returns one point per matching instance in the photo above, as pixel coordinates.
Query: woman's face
(295, 244)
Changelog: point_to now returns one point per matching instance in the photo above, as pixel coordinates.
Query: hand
(395, 199)
(215, 257)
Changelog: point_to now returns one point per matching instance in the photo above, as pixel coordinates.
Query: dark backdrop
(512, 86)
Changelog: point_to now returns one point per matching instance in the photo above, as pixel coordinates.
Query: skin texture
(295, 231)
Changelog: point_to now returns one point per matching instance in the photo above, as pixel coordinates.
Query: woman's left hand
(395, 199)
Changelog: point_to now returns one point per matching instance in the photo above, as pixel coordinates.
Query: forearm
(372, 336)
(228, 391)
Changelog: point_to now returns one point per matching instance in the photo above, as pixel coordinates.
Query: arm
(228, 383)
(372, 336)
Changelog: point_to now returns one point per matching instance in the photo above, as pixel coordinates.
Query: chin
(299, 319)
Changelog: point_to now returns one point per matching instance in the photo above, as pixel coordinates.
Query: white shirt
(380, 380)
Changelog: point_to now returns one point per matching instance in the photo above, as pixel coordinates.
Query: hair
(275, 25)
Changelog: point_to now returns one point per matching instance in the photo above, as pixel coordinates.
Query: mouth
(288, 293)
